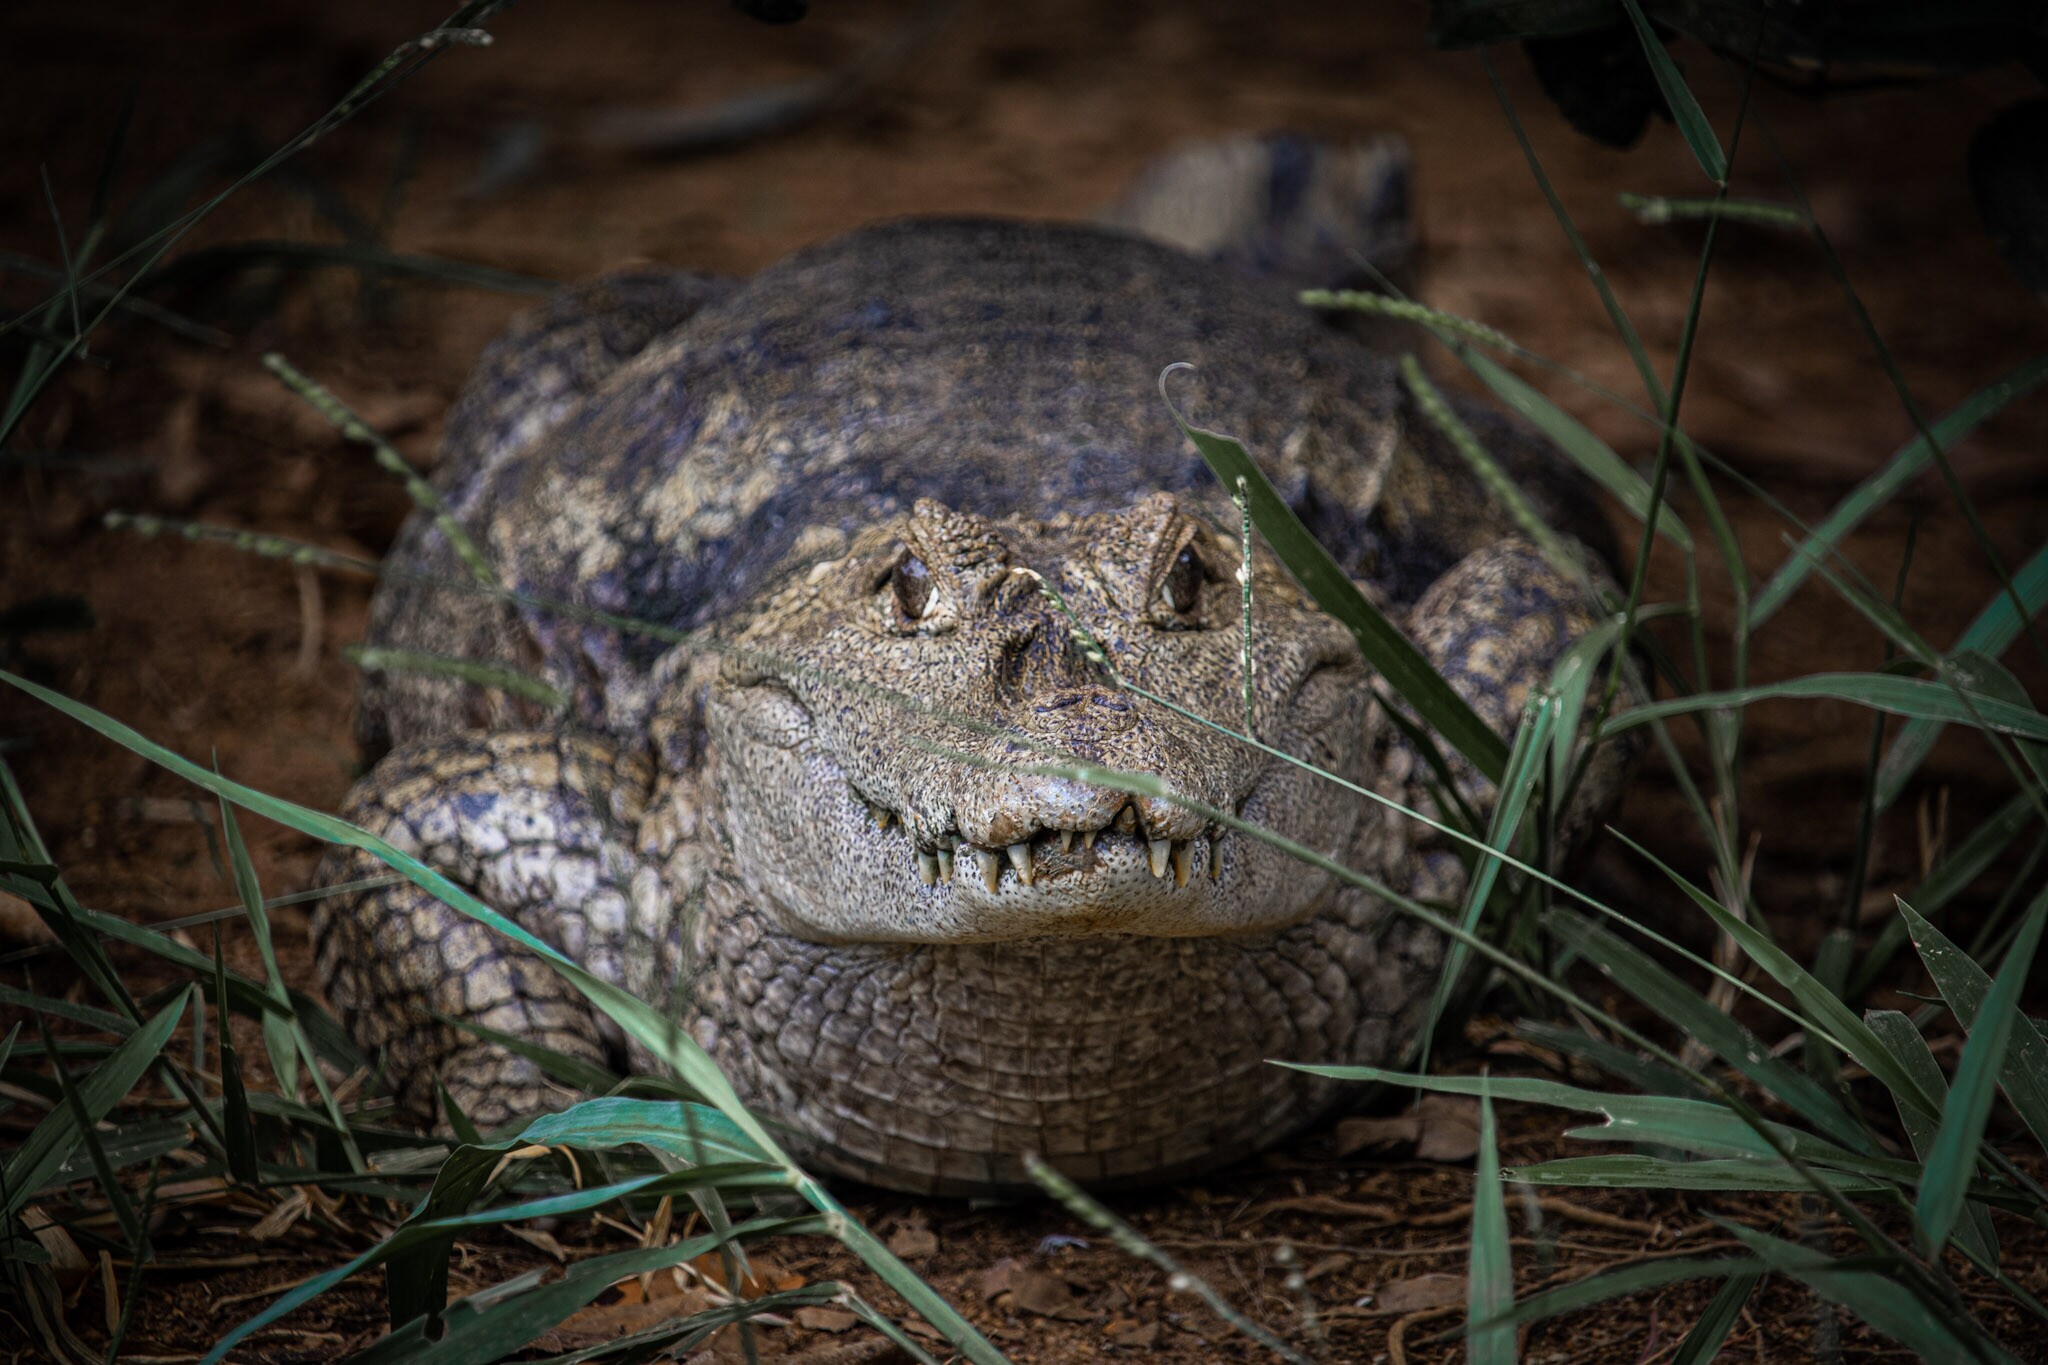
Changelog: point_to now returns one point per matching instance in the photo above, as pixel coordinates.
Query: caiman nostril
(1081, 696)
(1079, 714)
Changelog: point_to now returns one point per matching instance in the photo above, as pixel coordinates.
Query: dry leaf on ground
(762, 1275)
(635, 1313)
(996, 1279)
(1141, 1335)
(1017, 1286)
(1421, 1291)
(1442, 1128)
(825, 1319)
(20, 925)
(913, 1242)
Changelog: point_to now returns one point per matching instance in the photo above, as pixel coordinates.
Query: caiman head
(888, 733)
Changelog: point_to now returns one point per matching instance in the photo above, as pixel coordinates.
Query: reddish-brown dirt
(1041, 110)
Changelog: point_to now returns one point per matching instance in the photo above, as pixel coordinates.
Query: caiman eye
(912, 582)
(1183, 588)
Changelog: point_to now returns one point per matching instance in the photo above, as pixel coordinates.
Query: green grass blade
(1591, 1290)
(1407, 310)
(96, 1152)
(53, 901)
(510, 681)
(1644, 1073)
(1946, 468)
(1982, 676)
(1722, 1174)
(1950, 877)
(1974, 706)
(106, 1021)
(236, 1123)
(246, 995)
(1593, 456)
(1878, 691)
(1999, 692)
(1526, 764)
(1685, 110)
(1384, 647)
(1500, 486)
(414, 1233)
(1571, 680)
(1657, 210)
(1876, 1297)
(353, 428)
(1854, 589)
(586, 1076)
(1994, 628)
(1820, 1004)
(1703, 1342)
(1990, 633)
(1966, 987)
(681, 1335)
(1457, 810)
(277, 1026)
(283, 1032)
(1974, 1232)
(1953, 1160)
(690, 1133)
(129, 1145)
(45, 1149)
(492, 1326)
(1490, 1272)
(145, 255)
(458, 1120)
(1831, 959)
(1688, 1125)
(1631, 340)
(1909, 460)
(1673, 1000)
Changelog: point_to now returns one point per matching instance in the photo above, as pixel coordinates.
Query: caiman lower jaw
(1049, 853)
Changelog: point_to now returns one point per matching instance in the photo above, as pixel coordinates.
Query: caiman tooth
(1088, 837)
(1215, 857)
(1127, 819)
(1066, 841)
(1183, 850)
(991, 867)
(1020, 858)
(945, 860)
(928, 868)
(1157, 851)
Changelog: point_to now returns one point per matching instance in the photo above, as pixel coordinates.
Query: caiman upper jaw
(1046, 853)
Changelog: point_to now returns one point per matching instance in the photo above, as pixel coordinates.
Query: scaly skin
(826, 840)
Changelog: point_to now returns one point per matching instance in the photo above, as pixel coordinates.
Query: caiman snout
(1016, 792)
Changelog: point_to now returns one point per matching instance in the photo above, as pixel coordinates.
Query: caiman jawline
(937, 854)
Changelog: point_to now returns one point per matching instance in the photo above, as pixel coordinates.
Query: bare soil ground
(1040, 110)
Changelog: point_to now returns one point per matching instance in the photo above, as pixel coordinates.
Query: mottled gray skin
(821, 843)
